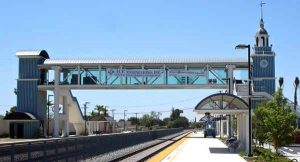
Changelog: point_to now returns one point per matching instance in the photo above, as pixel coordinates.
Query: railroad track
(149, 151)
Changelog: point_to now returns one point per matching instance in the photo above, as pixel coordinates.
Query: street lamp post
(85, 107)
(243, 46)
(48, 115)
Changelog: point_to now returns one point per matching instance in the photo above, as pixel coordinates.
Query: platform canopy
(19, 116)
(222, 103)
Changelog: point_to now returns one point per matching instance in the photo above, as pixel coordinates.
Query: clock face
(264, 63)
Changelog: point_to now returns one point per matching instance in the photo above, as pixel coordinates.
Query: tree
(134, 120)
(181, 122)
(276, 120)
(92, 115)
(175, 114)
(259, 127)
(281, 82)
(147, 120)
(101, 116)
(296, 85)
(102, 112)
(166, 121)
(13, 109)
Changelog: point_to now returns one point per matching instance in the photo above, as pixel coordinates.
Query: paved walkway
(196, 148)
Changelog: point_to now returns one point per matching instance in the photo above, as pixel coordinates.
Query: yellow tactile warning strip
(160, 156)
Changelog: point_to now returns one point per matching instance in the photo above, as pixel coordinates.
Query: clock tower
(263, 57)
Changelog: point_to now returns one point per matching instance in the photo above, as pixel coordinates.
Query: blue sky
(192, 28)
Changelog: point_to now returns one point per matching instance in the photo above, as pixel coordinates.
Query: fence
(76, 148)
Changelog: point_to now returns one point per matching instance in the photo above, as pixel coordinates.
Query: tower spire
(261, 24)
(261, 9)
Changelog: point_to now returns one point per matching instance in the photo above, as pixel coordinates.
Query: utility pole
(124, 120)
(85, 118)
(113, 113)
(136, 124)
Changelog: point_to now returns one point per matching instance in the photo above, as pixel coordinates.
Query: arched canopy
(222, 103)
(19, 116)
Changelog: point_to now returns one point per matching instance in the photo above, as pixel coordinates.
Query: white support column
(217, 128)
(223, 128)
(121, 77)
(243, 138)
(165, 75)
(99, 77)
(78, 73)
(230, 69)
(246, 132)
(66, 115)
(239, 127)
(143, 78)
(186, 69)
(56, 101)
(207, 73)
(227, 126)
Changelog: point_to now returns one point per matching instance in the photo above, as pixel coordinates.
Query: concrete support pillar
(239, 127)
(78, 75)
(165, 75)
(228, 125)
(121, 77)
(56, 102)
(242, 120)
(185, 77)
(247, 132)
(222, 128)
(231, 131)
(66, 114)
(217, 128)
(99, 77)
(230, 69)
(143, 78)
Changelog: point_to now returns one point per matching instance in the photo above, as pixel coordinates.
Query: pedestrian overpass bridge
(39, 73)
(140, 73)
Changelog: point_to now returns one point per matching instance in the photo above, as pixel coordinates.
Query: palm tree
(296, 84)
(281, 82)
(92, 115)
(99, 109)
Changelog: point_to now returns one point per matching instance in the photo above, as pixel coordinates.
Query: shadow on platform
(219, 150)
(193, 137)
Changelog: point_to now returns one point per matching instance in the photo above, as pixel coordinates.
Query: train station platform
(195, 148)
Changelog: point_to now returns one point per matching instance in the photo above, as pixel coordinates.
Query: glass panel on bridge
(139, 76)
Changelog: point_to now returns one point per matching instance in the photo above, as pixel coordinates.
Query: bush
(179, 122)
(266, 155)
(242, 153)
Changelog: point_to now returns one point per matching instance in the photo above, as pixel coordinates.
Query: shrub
(266, 155)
